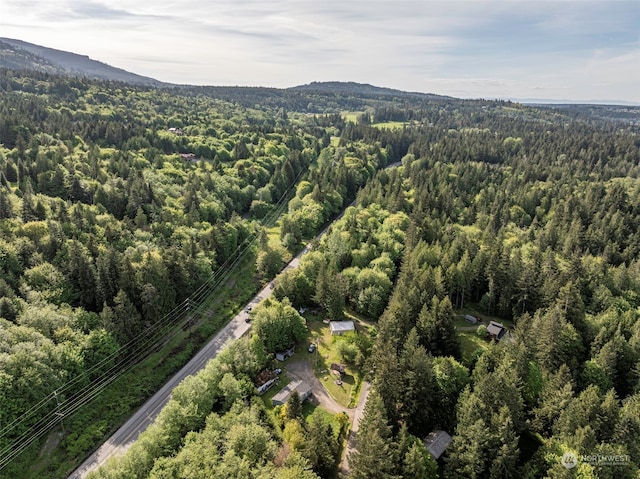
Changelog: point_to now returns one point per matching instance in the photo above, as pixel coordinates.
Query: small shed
(303, 389)
(338, 328)
(470, 319)
(287, 353)
(436, 442)
(265, 380)
(496, 330)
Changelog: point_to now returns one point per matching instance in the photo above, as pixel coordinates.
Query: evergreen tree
(123, 320)
(418, 463)
(505, 443)
(320, 447)
(437, 329)
(468, 453)
(388, 378)
(627, 428)
(374, 457)
(419, 390)
(6, 209)
(294, 406)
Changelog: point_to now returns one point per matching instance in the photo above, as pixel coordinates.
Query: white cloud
(508, 48)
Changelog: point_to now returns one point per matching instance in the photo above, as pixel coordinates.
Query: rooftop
(265, 376)
(436, 442)
(302, 387)
(342, 326)
(496, 329)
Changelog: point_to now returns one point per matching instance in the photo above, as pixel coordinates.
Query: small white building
(304, 391)
(265, 380)
(338, 328)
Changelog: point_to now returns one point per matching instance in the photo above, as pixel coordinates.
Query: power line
(135, 350)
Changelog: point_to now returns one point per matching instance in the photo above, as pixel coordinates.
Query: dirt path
(351, 439)
(303, 370)
(467, 328)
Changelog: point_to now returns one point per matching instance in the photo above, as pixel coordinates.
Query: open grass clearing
(345, 389)
(322, 358)
(351, 115)
(474, 310)
(391, 125)
(470, 342)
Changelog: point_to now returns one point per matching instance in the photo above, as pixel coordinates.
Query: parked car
(277, 370)
(312, 347)
(247, 310)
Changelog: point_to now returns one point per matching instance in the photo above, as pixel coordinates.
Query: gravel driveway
(303, 370)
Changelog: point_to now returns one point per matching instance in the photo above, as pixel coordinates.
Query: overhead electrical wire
(127, 356)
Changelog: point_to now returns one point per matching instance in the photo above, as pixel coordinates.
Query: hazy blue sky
(563, 49)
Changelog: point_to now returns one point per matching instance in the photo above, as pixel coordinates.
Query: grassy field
(470, 342)
(326, 354)
(460, 322)
(391, 125)
(351, 115)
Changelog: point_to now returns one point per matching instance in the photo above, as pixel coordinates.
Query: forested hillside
(20, 55)
(123, 209)
(118, 203)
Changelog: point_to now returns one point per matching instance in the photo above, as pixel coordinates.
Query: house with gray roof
(436, 442)
(496, 330)
(303, 388)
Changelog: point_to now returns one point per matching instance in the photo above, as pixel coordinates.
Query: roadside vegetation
(124, 210)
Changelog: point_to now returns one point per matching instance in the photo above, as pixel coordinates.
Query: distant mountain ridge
(20, 55)
(363, 89)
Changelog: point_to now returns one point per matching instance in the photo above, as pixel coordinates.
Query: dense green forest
(122, 206)
(117, 203)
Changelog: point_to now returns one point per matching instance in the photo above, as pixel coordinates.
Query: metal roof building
(304, 391)
(341, 327)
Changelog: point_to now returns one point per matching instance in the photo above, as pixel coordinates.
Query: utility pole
(58, 413)
(187, 309)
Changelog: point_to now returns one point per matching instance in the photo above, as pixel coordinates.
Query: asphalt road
(122, 439)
